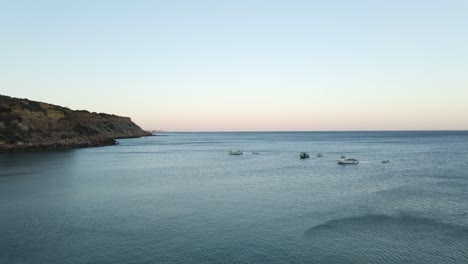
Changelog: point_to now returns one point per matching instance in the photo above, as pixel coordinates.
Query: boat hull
(348, 162)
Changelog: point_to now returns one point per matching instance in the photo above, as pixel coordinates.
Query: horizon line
(327, 131)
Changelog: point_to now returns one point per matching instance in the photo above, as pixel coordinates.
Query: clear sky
(243, 65)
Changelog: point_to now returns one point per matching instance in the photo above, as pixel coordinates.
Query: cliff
(29, 125)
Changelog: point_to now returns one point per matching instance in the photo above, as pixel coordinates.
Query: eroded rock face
(28, 125)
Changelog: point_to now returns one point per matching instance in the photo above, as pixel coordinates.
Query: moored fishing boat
(348, 161)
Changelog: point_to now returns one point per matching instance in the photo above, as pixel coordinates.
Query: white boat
(304, 155)
(235, 152)
(319, 155)
(386, 161)
(348, 161)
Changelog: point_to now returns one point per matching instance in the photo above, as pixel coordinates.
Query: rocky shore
(31, 126)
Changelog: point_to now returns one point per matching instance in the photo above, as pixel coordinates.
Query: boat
(235, 152)
(304, 155)
(386, 161)
(319, 155)
(343, 157)
(255, 153)
(348, 161)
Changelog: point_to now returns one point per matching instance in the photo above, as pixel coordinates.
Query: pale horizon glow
(244, 65)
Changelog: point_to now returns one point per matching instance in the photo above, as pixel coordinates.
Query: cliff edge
(29, 125)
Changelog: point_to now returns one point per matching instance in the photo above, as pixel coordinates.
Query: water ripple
(389, 239)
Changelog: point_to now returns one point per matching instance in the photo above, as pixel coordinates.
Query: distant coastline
(27, 125)
(330, 131)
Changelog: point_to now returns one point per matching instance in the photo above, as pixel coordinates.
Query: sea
(181, 198)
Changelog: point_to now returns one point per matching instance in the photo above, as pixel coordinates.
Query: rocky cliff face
(28, 125)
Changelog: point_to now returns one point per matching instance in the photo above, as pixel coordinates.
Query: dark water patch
(190, 143)
(404, 193)
(451, 176)
(460, 185)
(427, 191)
(130, 152)
(388, 239)
(15, 173)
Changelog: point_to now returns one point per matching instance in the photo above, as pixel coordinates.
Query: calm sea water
(181, 198)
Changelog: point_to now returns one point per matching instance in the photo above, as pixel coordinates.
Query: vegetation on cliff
(29, 125)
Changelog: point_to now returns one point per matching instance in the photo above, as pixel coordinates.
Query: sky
(244, 65)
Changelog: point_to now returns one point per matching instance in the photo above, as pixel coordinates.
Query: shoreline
(25, 148)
